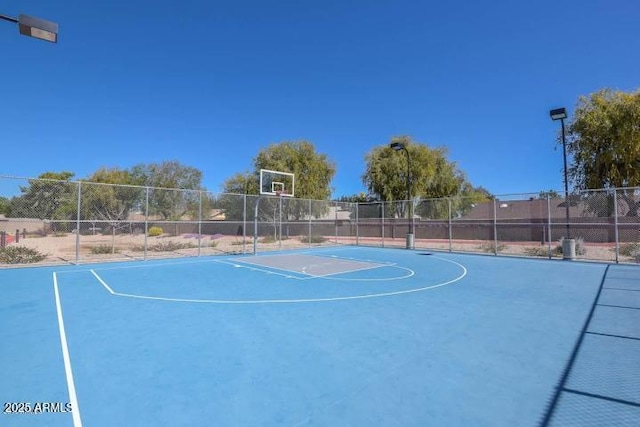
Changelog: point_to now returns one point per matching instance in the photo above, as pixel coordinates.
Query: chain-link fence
(604, 224)
(61, 221)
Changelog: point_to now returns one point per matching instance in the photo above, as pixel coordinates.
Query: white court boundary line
(73, 399)
(287, 301)
(308, 276)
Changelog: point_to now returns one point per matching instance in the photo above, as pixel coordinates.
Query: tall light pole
(399, 146)
(561, 114)
(568, 244)
(34, 27)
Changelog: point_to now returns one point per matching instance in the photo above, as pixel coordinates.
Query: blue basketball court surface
(326, 337)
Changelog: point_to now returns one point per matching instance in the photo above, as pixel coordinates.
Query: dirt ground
(92, 248)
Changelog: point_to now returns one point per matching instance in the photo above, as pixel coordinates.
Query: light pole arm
(8, 18)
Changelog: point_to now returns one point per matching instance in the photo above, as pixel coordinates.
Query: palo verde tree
(603, 139)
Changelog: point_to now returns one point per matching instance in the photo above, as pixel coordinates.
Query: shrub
(267, 239)
(155, 231)
(542, 251)
(631, 250)
(490, 247)
(104, 249)
(20, 255)
(313, 239)
(170, 246)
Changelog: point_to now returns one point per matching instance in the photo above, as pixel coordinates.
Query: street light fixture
(558, 114)
(35, 27)
(561, 114)
(399, 146)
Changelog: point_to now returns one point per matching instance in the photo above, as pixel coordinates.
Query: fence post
(495, 228)
(357, 224)
(146, 223)
(615, 222)
(310, 217)
(335, 211)
(280, 221)
(78, 222)
(382, 223)
(255, 226)
(549, 225)
(450, 226)
(244, 223)
(199, 222)
(3, 239)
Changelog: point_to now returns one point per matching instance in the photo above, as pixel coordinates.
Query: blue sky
(210, 83)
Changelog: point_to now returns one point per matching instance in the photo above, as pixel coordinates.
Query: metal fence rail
(85, 221)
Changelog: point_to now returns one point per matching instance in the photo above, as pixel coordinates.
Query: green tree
(242, 183)
(49, 196)
(552, 194)
(108, 195)
(457, 205)
(431, 174)
(603, 138)
(470, 196)
(313, 171)
(5, 206)
(170, 197)
(231, 201)
(313, 174)
(361, 197)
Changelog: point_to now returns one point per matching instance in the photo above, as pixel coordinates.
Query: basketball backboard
(277, 183)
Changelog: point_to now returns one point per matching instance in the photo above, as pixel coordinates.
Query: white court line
(229, 260)
(290, 301)
(73, 399)
(239, 263)
(314, 252)
(102, 282)
(147, 264)
(375, 264)
(346, 271)
(380, 279)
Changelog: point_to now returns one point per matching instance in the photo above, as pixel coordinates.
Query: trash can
(409, 240)
(568, 249)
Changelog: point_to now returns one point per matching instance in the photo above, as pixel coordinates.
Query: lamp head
(558, 114)
(38, 28)
(397, 146)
